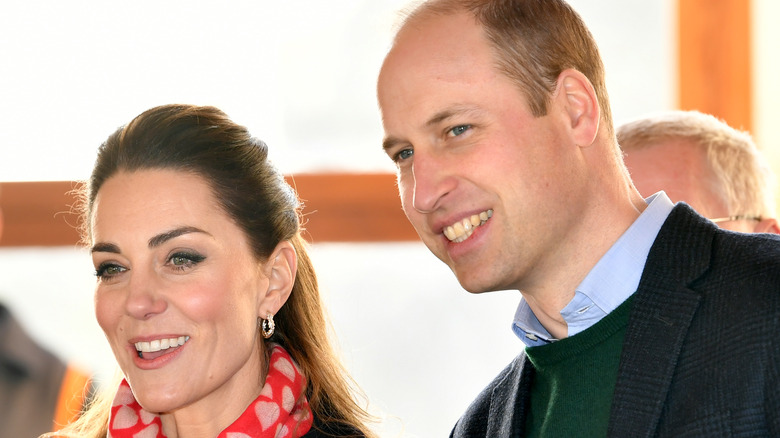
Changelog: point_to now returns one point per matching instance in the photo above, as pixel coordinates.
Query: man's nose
(432, 181)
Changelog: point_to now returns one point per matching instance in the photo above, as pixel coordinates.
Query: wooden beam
(38, 214)
(352, 208)
(337, 208)
(715, 59)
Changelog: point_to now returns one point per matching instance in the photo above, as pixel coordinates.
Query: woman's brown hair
(203, 141)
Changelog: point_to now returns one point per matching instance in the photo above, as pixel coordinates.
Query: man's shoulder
(727, 270)
(709, 300)
(761, 246)
(688, 246)
(683, 220)
(495, 408)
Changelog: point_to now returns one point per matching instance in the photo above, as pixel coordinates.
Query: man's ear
(280, 269)
(767, 226)
(578, 97)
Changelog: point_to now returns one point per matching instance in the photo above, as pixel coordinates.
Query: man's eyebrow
(452, 112)
(437, 118)
(168, 235)
(390, 142)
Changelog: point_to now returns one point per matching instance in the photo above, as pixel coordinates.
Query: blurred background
(301, 75)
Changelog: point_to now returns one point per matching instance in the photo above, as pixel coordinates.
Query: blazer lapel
(663, 308)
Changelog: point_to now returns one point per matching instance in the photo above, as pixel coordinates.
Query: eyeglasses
(737, 218)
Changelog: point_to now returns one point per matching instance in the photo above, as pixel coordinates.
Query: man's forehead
(439, 52)
(432, 29)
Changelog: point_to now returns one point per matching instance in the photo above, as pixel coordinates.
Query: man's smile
(461, 230)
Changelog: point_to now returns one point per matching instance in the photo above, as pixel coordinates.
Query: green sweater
(572, 388)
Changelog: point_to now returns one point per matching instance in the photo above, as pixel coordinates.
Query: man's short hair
(534, 41)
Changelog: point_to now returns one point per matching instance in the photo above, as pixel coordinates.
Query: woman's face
(178, 291)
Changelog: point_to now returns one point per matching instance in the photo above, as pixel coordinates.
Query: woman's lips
(153, 349)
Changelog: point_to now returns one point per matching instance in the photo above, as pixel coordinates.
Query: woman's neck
(211, 415)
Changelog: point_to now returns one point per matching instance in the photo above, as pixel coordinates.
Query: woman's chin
(157, 400)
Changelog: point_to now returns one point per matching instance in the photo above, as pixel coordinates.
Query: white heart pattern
(125, 417)
(267, 413)
(286, 368)
(149, 432)
(288, 399)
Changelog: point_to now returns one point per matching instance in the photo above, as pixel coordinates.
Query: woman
(205, 290)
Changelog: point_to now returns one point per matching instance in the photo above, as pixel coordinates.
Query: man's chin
(474, 285)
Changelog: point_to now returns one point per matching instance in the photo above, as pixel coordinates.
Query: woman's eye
(183, 261)
(108, 270)
(458, 130)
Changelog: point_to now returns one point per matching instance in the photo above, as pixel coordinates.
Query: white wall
(300, 74)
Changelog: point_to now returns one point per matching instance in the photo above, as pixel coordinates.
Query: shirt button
(531, 336)
(584, 309)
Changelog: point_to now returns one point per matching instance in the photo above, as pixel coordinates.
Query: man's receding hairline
(422, 10)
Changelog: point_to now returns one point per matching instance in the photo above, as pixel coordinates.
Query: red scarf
(276, 413)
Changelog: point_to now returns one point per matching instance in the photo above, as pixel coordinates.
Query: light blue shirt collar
(614, 278)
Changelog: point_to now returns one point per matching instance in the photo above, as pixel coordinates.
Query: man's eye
(458, 130)
(403, 155)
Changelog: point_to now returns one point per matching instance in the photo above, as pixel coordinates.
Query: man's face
(679, 167)
(490, 189)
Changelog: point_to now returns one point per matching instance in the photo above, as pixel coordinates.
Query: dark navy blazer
(701, 356)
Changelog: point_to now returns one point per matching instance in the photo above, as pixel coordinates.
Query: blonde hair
(746, 180)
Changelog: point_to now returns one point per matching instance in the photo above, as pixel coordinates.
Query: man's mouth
(461, 230)
(158, 347)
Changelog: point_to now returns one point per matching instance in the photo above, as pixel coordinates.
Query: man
(702, 161)
(640, 318)
(38, 392)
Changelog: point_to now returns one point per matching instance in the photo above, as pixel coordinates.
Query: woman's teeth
(461, 230)
(159, 344)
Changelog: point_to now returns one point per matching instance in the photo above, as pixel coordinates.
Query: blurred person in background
(702, 161)
(38, 391)
(205, 290)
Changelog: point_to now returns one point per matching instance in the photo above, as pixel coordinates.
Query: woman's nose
(143, 299)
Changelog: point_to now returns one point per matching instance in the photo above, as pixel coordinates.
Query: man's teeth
(160, 344)
(461, 230)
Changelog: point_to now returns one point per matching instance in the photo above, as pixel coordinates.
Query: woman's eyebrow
(104, 247)
(168, 235)
(153, 242)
